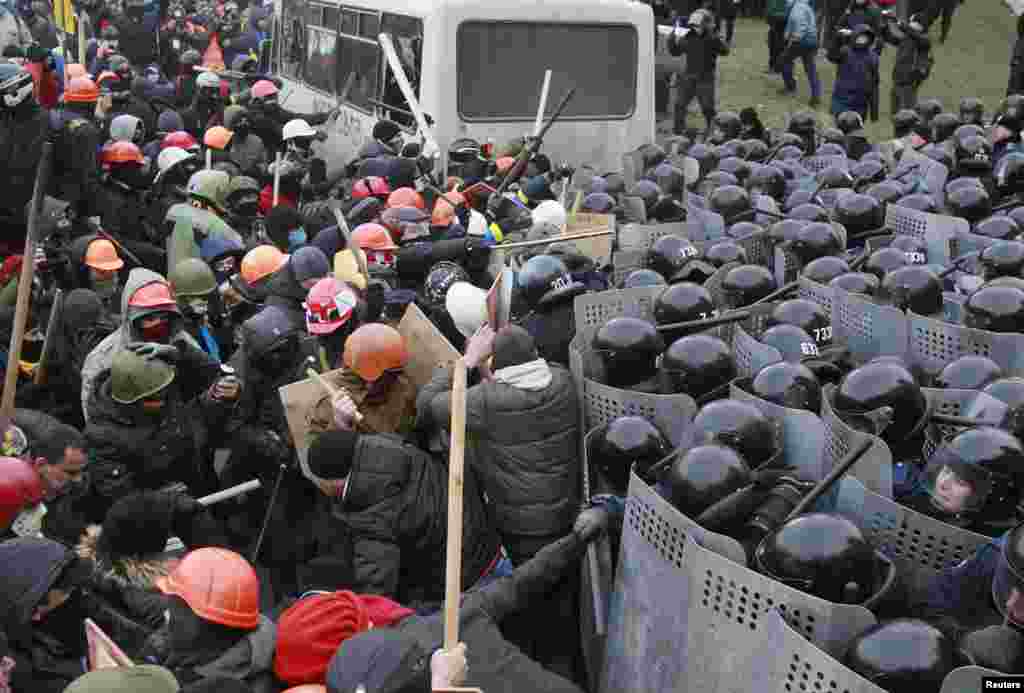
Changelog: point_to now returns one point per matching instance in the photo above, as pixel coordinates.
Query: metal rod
(228, 493)
(832, 477)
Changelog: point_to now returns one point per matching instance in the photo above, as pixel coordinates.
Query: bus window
(407, 36)
(599, 59)
(321, 41)
(361, 57)
(293, 23)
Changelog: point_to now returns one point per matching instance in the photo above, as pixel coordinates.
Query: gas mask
(242, 128)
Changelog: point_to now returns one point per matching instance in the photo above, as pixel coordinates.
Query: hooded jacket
(389, 528)
(525, 447)
(856, 74)
(801, 27)
(248, 154)
(21, 146)
(196, 370)
(28, 569)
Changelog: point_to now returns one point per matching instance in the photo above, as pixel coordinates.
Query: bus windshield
(501, 66)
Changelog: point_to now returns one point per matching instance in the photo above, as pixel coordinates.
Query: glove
(590, 523)
(996, 647)
(152, 350)
(345, 412)
(448, 668)
(184, 505)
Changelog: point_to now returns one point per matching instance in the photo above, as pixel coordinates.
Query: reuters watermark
(1002, 683)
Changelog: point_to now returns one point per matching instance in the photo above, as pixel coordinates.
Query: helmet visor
(954, 486)
(1008, 591)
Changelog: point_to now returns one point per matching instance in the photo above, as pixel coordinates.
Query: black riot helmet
(821, 554)
(883, 384)
(971, 203)
(724, 252)
(825, 269)
(927, 110)
(738, 425)
(856, 283)
(614, 184)
(725, 126)
(545, 280)
(849, 121)
(785, 230)
(698, 364)
(704, 475)
(1008, 582)
(1009, 391)
(939, 152)
(706, 156)
(746, 284)
(715, 180)
(902, 655)
(974, 154)
(859, 213)
(756, 150)
(629, 348)
(905, 122)
(792, 342)
(832, 136)
(1009, 174)
(834, 177)
(914, 288)
(788, 384)
(790, 139)
(743, 229)
(869, 171)
(998, 226)
(962, 182)
(807, 315)
(922, 202)
(976, 476)
(816, 240)
(831, 149)
(598, 203)
(803, 123)
(964, 131)
(670, 179)
(648, 191)
(730, 201)
(670, 254)
(969, 372)
(944, 125)
(808, 212)
(737, 167)
(789, 152)
(885, 192)
(441, 278)
(767, 180)
(626, 441)
(642, 277)
(732, 148)
(797, 198)
(1002, 259)
(652, 155)
(915, 250)
(995, 309)
(683, 302)
(972, 110)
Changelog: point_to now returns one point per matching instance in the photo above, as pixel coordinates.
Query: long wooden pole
(456, 461)
(28, 271)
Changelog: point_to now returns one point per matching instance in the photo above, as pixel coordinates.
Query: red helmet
(374, 186)
(329, 305)
(373, 237)
(20, 487)
(180, 139)
(120, 153)
(406, 197)
(264, 89)
(153, 295)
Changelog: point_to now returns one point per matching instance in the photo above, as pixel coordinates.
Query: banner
(64, 18)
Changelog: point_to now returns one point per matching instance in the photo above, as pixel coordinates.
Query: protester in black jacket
(23, 129)
(702, 46)
(385, 519)
(1015, 85)
(913, 61)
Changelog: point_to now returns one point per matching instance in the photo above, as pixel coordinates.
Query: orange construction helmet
(406, 197)
(153, 295)
(120, 152)
(444, 212)
(217, 137)
(76, 70)
(373, 349)
(261, 262)
(102, 255)
(81, 90)
(218, 585)
(373, 237)
(505, 163)
(308, 688)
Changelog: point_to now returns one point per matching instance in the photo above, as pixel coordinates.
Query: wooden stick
(51, 328)
(456, 459)
(542, 106)
(331, 391)
(209, 165)
(81, 43)
(277, 178)
(28, 271)
(425, 130)
(357, 253)
(553, 239)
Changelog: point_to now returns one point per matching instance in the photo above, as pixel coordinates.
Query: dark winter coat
(76, 167)
(22, 134)
(137, 41)
(496, 665)
(525, 447)
(855, 76)
(389, 529)
(28, 569)
(1016, 82)
(125, 215)
(701, 52)
(911, 50)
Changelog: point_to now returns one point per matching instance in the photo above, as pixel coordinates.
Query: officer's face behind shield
(956, 488)
(1008, 583)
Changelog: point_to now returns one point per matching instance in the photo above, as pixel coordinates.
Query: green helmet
(135, 377)
(232, 114)
(241, 189)
(210, 187)
(192, 277)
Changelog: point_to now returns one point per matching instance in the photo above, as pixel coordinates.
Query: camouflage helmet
(134, 377)
(192, 277)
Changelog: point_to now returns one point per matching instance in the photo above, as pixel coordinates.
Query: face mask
(153, 407)
(157, 332)
(296, 239)
(105, 288)
(196, 308)
(242, 129)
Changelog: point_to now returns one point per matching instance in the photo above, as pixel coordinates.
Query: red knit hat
(310, 631)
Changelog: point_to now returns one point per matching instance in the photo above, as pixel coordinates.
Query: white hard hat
(477, 224)
(296, 128)
(550, 212)
(171, 156)
(467, 304)
(208, 79)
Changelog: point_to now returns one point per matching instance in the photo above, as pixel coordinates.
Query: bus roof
(482, 9)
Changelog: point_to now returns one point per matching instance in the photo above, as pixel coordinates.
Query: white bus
(477, 67)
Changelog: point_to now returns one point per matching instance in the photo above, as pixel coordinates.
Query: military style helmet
(134, 378)
(697, 365)
(210, 187)
(192, 277)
